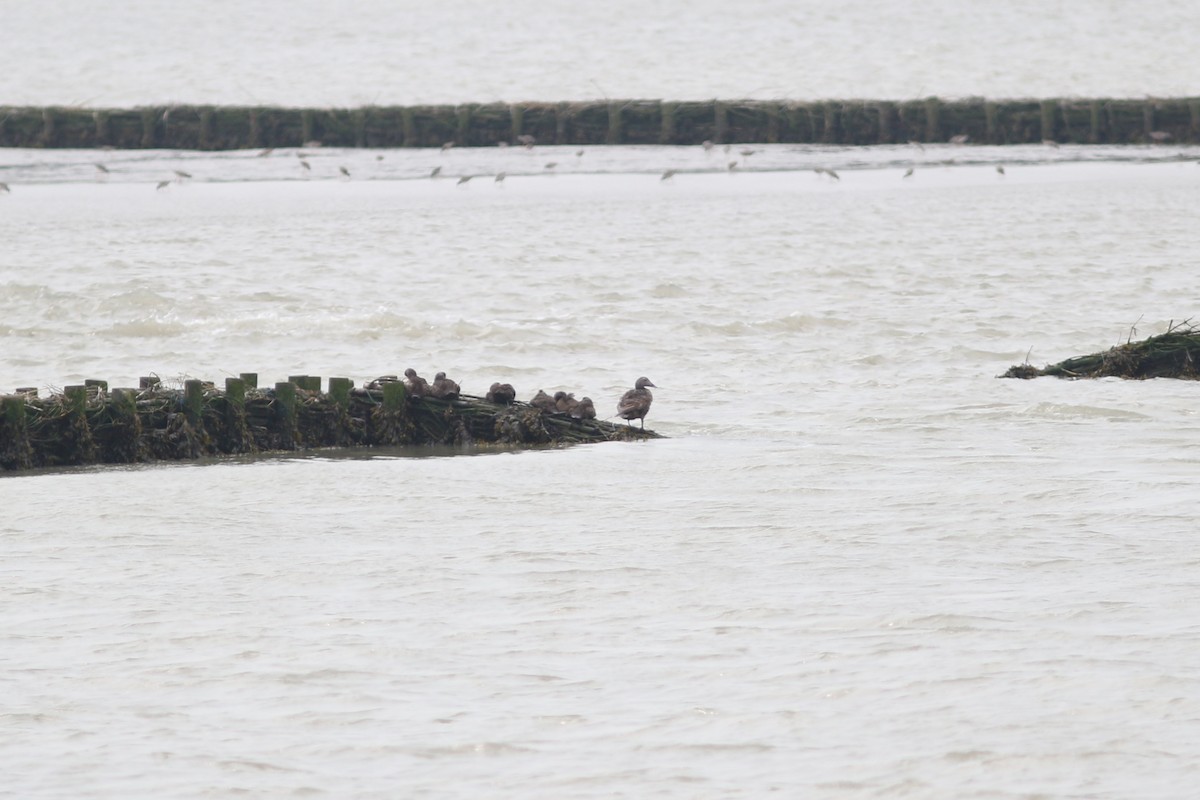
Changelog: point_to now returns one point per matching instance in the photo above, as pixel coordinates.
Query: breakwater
(89, 424)
(642, 122)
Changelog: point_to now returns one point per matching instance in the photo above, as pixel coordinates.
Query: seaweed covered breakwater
(1174, 354)
(89, 424)
(641, 122)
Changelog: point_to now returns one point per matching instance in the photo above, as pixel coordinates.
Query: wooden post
(339, 390)
(563, 114)
(614, 124)
(250, 379)
(989, 121)
(101, 120)
(408, 121)
(1094, 133)
(1148, 119)
(720, 121)
(124, 443)
(84, 449)
(1048, 118)
(193, 402)
(255, 129)
(206, 129)
(933, 124)
(772, 111)
(47, 127)
(306, 126)
(285, 414)
(149, 124)
(517, 113)
(667, 135)
(235, 392)
(360, 127)
(462, 133)
(393, 396)
(312, 383)
(15, 452)
(1194, 127)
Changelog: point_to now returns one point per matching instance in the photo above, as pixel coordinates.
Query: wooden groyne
(643, 122)
(1174, 354)
(89, 424)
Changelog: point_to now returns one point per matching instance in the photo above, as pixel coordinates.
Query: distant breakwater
(88, 424)
(637, 122)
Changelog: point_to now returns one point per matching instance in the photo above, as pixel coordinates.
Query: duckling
(502, 393)
(417, 386)
(635, 403)
(443, 387)
(584, 409)
(543, 401)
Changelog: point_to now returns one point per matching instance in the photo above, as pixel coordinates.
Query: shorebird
(909, 173)
(443, 387)
(960, 138)
(265, 152)
(101, 168)
(1000, 169)
(829, 172)
(502, 393)
(4, 187)
(526, 140)
(417, 386)
(551, 164)
(707, 144)
(579, 154)
(446, 146)
(344, 171)
(306, 165)
(182, 175)
(434, 172)
(162, 185)
(500, 176)
(666, 176)
(731, 166)
(747, 152)
(635, 403)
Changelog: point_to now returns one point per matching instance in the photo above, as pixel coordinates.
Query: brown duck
(502, 393)
(635, 403)
(443, 387)
(543, 401)
(417, 386)
(584, 409)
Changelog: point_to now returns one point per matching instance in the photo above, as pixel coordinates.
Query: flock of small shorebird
(527, 142)
(634, 404)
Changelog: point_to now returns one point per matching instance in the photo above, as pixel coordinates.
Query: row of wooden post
(849, 122)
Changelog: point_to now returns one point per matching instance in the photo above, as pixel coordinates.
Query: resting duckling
(416, 385)
(543, 401)
(443, 387)
(564, 402)
(584, 409)
(502, 393)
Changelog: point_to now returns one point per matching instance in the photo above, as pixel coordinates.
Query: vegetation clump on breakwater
(641, 122)
(88, 424)
(1174, 354)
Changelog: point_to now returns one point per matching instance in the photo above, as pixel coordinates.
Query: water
(860, 566)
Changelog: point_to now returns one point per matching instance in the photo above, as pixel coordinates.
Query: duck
(543, 401)
(564, 402)
(417, 386)
(502, 393)
(584, 409)
(635, 403)
(443, 387)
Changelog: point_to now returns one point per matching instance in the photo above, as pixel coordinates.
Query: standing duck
(635, 403)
